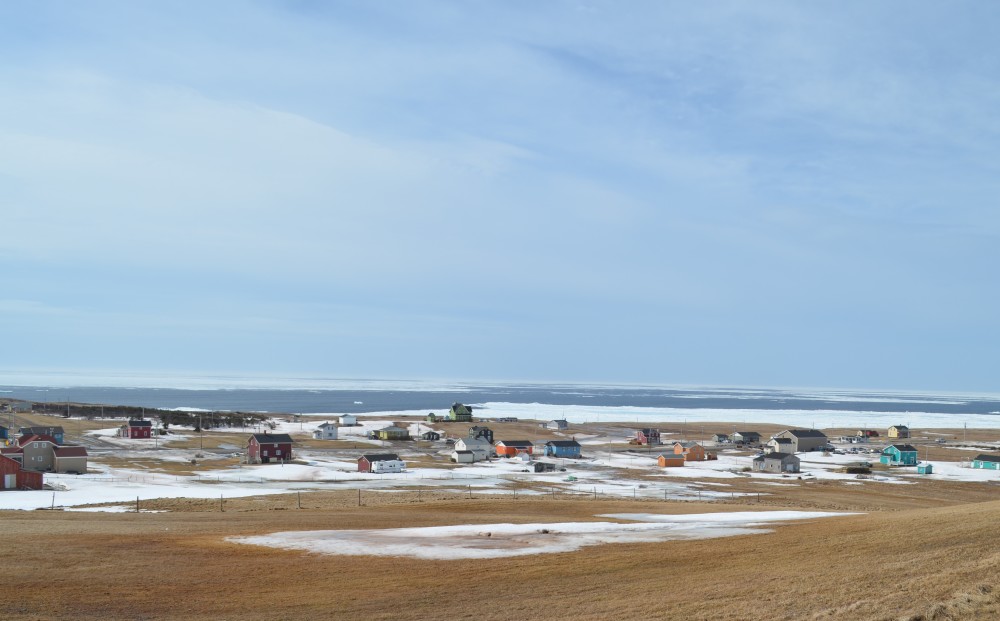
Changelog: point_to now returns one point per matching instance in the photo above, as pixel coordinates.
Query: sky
(732, 193)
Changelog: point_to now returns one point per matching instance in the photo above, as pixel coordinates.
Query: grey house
(804, 440)
(776, 463)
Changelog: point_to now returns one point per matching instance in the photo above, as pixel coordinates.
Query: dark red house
(265, 447)
(137, 429)
(648, 436)
(13, 476)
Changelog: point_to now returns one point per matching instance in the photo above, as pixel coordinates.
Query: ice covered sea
(821, 408)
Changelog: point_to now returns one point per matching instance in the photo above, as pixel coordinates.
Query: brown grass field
(927, 551)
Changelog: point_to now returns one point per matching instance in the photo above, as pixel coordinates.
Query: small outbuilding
(746, 438)
(431, 436)
(899, 455)
(558, 424)
(391, 433)
(925, 468)
(348, 420)
(463, 457)
(544, 466)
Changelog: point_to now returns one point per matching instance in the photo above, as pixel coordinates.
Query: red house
(12, 476)
(510, 448)
(137, 429)
(264, 447)
(648, 436)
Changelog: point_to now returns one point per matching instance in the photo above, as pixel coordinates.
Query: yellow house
(899, 431)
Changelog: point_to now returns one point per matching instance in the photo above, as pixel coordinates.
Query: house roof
(11, 450)
(559, 420)
(899, 427)
(326, 425)
(140, 423)
(70, 451)
(903, 448)
(984, 457)
(563, 443)
(782, 440)
(807, 433)
(747, 434)
(464, 452)
(35, 437)
(688, 444)
(670, 456)
(41, 430)
(374, 457)
(271, 437)
(515, 443)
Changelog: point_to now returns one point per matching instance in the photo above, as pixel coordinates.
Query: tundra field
(906, 547)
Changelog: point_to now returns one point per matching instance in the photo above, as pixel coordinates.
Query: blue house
(989, 462)
(899, 455)
(562, 448)
(55, 432)
(4, 433)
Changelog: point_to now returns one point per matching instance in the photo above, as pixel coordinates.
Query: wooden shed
(13, 476)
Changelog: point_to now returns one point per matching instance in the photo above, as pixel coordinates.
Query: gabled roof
(747, 434)
(271, 438)
(326, 425)
(899, 427)
(806, 433)
(902, 448)
(515, 443)
(11, 450)
(374, 457)
(778, 456)
(70, 451)
(140, 423)
(782, 440)
(688, 444)
(991, 458)
(464, 452)
(671, 456)
(35, 437)
(563, 443)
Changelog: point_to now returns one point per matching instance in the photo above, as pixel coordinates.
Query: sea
(319, 397)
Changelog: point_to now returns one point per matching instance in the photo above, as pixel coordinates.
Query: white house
(326, 431)
(463, 457)
(348, 420)
(480, 448)
(558, 424)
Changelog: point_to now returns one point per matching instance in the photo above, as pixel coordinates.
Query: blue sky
(711, 193)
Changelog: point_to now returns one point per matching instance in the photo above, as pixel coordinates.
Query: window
(277, 452)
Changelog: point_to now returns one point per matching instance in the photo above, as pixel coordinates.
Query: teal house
(899, 455)
(989, 462)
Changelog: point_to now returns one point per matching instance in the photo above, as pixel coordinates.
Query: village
(453, 451)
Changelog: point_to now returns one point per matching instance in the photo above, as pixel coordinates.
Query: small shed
(544, 466)
(925, 468)
(670, 460)
(721, 438)
(463, 457)
(70, 459)
(348, 420)
(562, 448)
(432, 436)
(559, 424)
(326, 431)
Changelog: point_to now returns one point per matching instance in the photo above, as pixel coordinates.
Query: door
(9, 481)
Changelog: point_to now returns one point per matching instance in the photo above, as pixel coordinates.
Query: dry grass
(932, 555)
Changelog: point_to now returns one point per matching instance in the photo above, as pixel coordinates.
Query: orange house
(510, 448)
(692, 451)
(670, 460)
